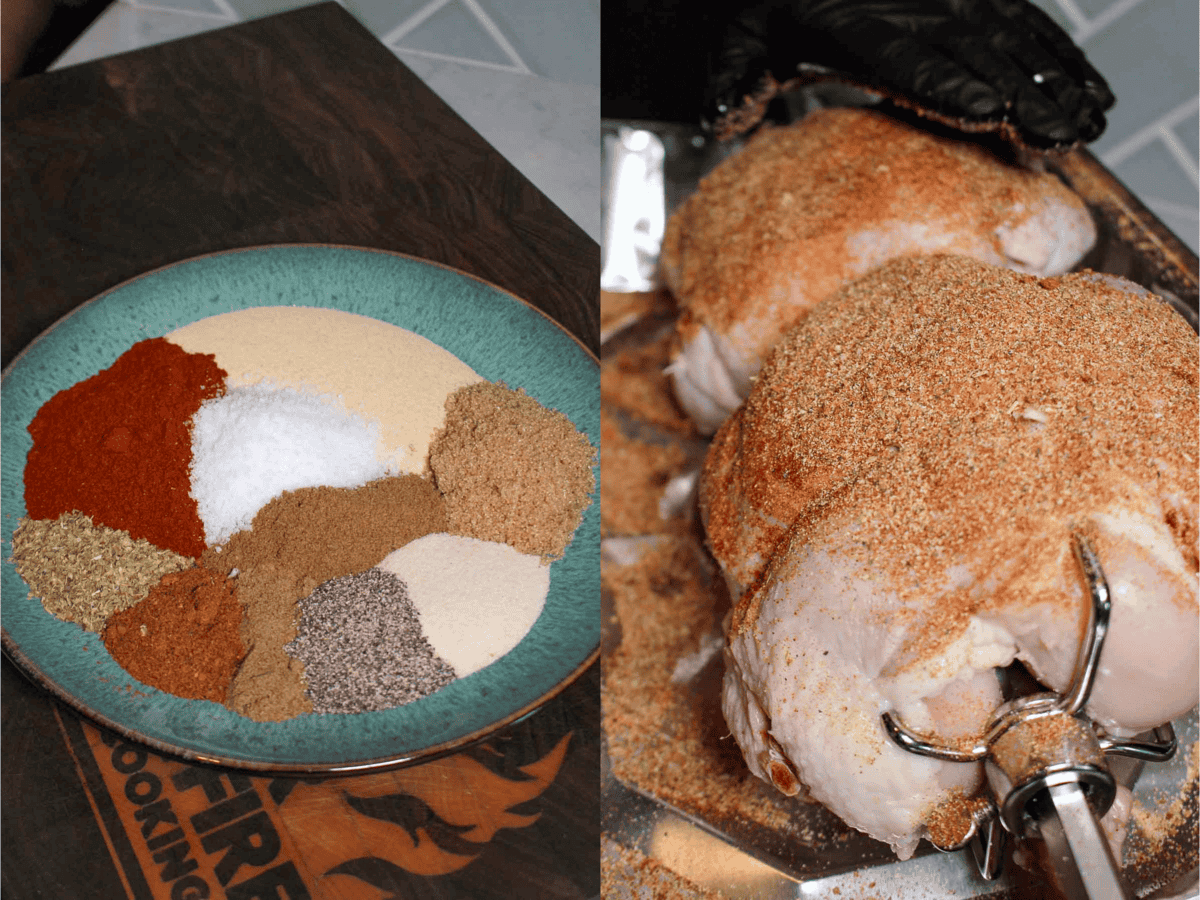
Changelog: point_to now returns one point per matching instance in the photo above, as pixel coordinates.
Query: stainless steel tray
(758, 844)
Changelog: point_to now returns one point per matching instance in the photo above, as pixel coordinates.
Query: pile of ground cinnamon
(298, 541)
(511, 470)
(184, 638)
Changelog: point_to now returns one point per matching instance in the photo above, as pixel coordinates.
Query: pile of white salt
(254, 443)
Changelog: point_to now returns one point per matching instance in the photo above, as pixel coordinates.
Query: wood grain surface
(299, 127)
(86, 814)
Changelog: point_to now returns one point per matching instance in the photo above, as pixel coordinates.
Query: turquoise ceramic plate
(498, 335)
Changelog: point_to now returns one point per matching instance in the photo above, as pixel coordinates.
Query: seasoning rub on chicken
(893, 505)
(801, 210)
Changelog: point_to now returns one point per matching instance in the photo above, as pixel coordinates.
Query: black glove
(977, 65)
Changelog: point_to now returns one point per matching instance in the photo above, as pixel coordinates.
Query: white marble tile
(559, 40)
(454, 30)
(548, 130)
(125, 27)
(219, 9)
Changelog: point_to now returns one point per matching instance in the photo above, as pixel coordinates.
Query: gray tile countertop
(1148, 52)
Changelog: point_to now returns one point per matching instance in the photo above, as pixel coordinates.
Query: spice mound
(512, 470)
(286, 451)
(84, 572)
(184, 637)
(362, 646)
(256, 442)
(298, 541)
(475, 599)
(117, 446)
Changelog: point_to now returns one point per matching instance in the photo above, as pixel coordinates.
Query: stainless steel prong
(1045, 763)
(1159, 749)
(988, 842)
(1088, 660)
(1077, 846)
(914, 743)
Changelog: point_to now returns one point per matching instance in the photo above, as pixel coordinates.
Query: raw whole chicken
(892, 509)
(801, 210)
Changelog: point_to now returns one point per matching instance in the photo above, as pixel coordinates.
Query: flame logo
(432, 819)
(359, 837)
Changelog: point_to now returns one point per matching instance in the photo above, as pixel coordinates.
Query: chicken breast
(801, 210)
(893, 508)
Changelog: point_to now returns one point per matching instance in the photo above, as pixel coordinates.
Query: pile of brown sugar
(511, 470)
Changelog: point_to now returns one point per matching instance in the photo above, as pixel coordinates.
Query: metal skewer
(1045, 763)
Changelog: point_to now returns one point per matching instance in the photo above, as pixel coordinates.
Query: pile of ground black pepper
(362, 647)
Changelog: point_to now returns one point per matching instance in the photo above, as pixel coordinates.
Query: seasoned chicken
(893, 505)
(801, 210)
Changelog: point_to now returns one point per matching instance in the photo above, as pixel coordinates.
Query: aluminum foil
(649, 169)
(633, 213)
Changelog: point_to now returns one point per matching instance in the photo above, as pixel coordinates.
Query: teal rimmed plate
(500, 336)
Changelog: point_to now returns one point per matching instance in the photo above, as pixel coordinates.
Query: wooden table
(296, 128)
